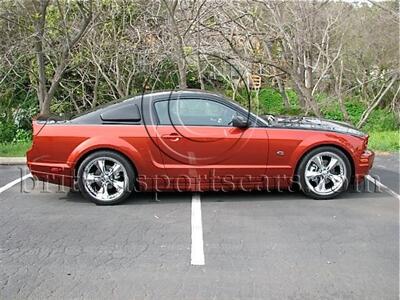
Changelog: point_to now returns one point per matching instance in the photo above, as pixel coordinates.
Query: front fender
(348, 144)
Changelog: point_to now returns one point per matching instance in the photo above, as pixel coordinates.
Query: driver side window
(194, 112)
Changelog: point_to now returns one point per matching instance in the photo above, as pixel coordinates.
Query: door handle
(173, 137)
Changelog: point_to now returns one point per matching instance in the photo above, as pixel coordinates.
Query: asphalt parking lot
(277, 245)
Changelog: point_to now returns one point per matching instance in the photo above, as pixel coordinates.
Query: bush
(355, 108)
(381, 120)
(333, 113)
(22, 136)
(10, 133)
(293, 99)
(271, 101)
(384, 141)
(7, 132)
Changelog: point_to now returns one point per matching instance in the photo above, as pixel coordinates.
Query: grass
(384, 141)
(14, 149)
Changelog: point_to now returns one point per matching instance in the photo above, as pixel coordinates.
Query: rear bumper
(57, 173)
(364, 164)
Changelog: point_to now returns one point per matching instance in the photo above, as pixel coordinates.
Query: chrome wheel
(105, 179)
(325, 173)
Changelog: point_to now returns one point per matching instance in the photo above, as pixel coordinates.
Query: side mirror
(239, 122)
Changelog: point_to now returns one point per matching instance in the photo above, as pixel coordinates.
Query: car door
(201, 147)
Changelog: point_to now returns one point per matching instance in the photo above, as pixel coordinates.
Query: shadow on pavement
(239, 196)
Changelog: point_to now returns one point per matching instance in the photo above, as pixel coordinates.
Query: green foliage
(22, 136)
(271, 100)
(7, 132)
(384, 141)
(333, 113)
(192, 78)
(293, 99)
(14, 149)
(320, 97)
(355, 108)
(381, 120)
(241, 96)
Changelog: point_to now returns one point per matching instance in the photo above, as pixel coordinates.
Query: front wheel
(324, 173)
(106, 177)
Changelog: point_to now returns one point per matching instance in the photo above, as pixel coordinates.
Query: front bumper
(364, 164)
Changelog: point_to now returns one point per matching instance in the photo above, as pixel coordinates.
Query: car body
(194, 141)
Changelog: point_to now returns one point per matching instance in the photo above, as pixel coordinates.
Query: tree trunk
(95, 89)
(338, 89)
(181, 59)
(343, 108)
(45, 107)
(182, 73)
(46, 94)
(279, 81)
(282, 91)
(177, 42)
(368, 111)
(300, 97)
(40, 57)
(308, 84)
(308, 78)
(311, 102)
(200, 72)
(307, 97)
(298, 78)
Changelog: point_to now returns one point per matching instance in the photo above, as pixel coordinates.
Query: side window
(194, 112)
(161, 108)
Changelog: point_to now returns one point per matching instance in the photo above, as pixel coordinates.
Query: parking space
(387, 170)
(256, 245)
(286, 246)
(10, 173)
(59, 245)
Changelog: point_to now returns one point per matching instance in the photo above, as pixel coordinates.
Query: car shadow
(368, 190)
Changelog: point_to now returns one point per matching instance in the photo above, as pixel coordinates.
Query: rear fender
(105, 143)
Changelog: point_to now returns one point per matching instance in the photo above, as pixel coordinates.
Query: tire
(106, 178)
(324, 173)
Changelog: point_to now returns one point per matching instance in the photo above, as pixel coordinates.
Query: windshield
(268, 121)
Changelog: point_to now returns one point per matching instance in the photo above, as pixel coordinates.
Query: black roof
(97, 114)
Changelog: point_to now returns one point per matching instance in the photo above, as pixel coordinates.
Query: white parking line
(197, 255)
(381, 185)
(14, 182)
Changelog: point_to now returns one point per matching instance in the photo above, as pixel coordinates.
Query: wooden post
(255, 84)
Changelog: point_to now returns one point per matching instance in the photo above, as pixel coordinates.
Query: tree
(178, 46)
(72, 55)
(48, 84)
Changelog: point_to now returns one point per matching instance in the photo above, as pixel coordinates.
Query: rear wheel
(106, 177)
(324, 173)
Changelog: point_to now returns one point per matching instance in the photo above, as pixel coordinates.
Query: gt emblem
(280, 153)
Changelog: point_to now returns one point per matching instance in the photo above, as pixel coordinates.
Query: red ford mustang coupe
(195, 141)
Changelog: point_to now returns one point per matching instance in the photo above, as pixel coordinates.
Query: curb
(12, 160)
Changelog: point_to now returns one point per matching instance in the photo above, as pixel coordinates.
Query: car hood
(313, 124)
